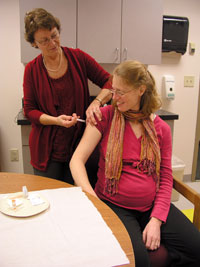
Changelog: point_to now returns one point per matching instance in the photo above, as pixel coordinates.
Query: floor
(182, 202)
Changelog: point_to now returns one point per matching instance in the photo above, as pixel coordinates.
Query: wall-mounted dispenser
(175, 34)
(169, 86)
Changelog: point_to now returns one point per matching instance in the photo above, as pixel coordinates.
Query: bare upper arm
(89, 141)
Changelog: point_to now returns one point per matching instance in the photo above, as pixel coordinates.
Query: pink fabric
(136, 190)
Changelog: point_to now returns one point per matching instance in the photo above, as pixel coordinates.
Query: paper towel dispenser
(175, 34)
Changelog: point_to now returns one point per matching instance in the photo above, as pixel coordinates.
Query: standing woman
(135, 173)
(55, 94)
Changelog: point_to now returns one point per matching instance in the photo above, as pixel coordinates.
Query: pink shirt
(136, 190)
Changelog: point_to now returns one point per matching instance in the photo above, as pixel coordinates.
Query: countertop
(163, 114)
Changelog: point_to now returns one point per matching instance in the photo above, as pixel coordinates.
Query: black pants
(178, 234)
(56, 170)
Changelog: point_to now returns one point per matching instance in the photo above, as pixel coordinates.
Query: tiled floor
(182, 202)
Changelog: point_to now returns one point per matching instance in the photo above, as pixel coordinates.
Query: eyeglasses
(120, 93)
(46, 41)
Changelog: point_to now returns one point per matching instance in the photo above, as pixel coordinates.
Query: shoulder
(163, 131)
(33, 63)
(107, 112)
(74, 52)
(78, 56)
(107, 115)
(159, 123)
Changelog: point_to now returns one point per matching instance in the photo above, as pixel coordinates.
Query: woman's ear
(142, 89)
(34, 45)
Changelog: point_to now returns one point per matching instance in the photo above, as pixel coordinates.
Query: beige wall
(11, 73)
(185, 103)
(186, 100)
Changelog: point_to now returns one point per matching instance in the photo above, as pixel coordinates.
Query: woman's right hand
(62, 120)
(67, 121)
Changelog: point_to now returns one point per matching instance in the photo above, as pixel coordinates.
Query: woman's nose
(115, 96)
(52, 41)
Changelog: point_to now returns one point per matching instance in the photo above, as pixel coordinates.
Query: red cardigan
(39, 98)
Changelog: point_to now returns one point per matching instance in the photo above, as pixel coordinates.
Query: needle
(80, 120)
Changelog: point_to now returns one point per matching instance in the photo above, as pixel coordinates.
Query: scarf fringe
(146, 166)
(111, 186)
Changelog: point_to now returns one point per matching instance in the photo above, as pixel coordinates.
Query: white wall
(185, 103)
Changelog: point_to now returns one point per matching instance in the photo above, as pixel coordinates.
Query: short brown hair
(135, 74)
(36, 19)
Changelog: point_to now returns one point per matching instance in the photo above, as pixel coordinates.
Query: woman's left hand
(151, 234)
(94, 108)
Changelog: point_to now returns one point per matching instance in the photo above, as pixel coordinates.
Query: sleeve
(95, 72)
(107, 114)
(31, 109)
(163, 196)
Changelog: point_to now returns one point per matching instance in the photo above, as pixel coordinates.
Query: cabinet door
(142, 30)
(64, 10)
(99, 29)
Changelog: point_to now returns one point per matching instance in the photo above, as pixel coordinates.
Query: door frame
(197, 141)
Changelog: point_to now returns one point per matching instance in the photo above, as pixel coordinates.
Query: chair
(160, 257)
(192, 196)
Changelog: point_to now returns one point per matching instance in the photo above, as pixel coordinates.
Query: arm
(163, 196)
(89, 141)
(151, 233)
(96, 74)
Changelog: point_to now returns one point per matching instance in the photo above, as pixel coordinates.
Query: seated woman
(135, 173)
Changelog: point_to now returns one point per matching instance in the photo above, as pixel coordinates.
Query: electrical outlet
(188, 81)
(14, 154)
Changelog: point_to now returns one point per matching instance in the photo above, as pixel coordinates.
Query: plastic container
(178, 167)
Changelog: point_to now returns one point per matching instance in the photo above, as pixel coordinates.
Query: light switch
(14, 154)
(191, 48)
(188, 81)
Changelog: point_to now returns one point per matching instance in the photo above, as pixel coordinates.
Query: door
(196, 156)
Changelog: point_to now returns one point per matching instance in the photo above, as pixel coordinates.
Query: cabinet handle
(117, 53)
(125, 53)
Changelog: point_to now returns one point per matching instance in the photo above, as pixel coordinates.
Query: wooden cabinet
(65, 10)
(115, 30)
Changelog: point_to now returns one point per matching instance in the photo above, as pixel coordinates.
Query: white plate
(26, 209)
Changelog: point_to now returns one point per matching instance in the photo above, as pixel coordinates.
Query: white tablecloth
(70, 233)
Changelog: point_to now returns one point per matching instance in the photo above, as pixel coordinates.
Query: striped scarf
(150, 150)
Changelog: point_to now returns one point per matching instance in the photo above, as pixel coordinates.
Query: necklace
(58, 65)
